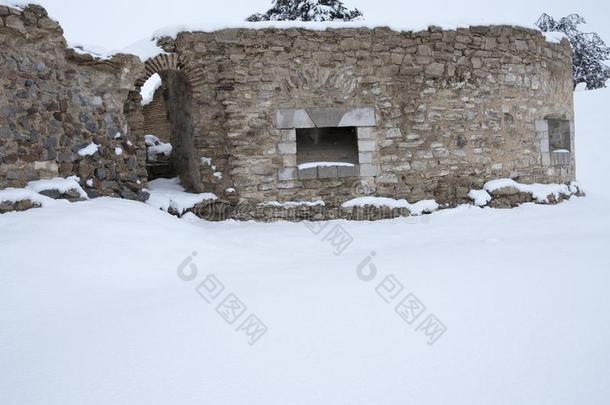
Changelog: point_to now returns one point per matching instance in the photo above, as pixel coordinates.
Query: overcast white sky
(115, 24)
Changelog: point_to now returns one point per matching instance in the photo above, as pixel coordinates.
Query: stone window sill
(561, 157)
(329, 172)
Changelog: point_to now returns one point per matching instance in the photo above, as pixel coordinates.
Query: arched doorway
(160, 116)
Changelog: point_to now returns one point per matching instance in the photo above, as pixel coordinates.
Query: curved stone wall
(452, 109)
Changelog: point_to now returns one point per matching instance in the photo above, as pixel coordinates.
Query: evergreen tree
(307, 10)
(589, 51)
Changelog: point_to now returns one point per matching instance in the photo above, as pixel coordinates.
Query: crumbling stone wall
(452, 109)
(54, 102)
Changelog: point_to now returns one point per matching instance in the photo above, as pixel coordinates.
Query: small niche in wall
(327, 145)
(329, 152)
(560, 141)
(559, 135)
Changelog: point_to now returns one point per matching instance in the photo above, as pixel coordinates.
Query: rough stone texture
(54, 102)
(437, 112)
(156, 121)
(23, 205)
(453, 109)
(70, 195)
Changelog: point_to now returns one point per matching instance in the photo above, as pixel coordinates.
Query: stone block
(15, 23)
(560, 158)
(365, 157)
(435, 70)
(307, 174)
(367, 170)
(387, 179)
(358, 117)
(287, 173)
(325, 117)
(366, 146)
(289, 160)
(365, 133)
(392, 133)
(289, 135)
(293, 118)
(48, 24)
(348, 171)
(327, 172)
(542, 125)
(287, 148)
(424, 50)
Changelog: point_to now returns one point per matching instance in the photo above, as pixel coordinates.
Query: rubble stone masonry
(437, 112)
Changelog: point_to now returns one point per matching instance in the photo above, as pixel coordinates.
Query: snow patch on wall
(555, 37)
(89, 150)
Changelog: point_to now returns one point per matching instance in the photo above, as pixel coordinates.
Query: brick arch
(171, 61)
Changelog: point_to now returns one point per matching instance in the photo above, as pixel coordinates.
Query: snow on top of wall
(62, 185)
(149, 88)
(173, 30)
(169, 193)
(423, 207)
(540, 192)
(480, 197)
(93, 50)
(418, 208)
(143, 49)
(19, 5)
(555, 37)
(146, 49)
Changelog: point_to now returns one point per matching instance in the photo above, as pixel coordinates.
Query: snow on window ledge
(311, 165)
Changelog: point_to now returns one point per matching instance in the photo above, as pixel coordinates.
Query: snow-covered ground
(109, 301)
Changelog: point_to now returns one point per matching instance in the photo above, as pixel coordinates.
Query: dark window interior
(327, 145)
(559, 135)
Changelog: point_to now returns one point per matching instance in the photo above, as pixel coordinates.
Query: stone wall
(156, 121)
(54, 102)
(436, 113)
(451, 109)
